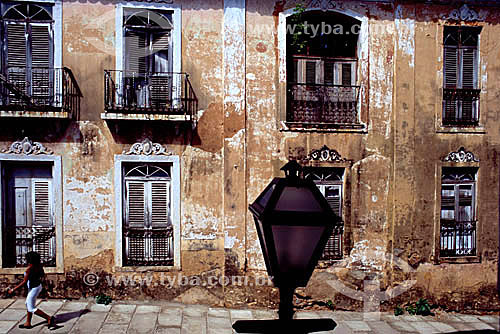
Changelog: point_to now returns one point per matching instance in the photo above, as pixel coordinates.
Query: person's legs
(29, 316)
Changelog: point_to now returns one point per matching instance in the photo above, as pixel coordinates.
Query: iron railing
(151, 93)
(149, 247)
(40, 89)
(323, 104)
(39, 239)
(458, 238)
(461, 107)
(333, 248)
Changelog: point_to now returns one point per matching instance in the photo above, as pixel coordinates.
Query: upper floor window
(28, 51)
(321, 69)
(458, 216)
(461, 76)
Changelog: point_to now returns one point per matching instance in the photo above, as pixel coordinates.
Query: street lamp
(294, 222)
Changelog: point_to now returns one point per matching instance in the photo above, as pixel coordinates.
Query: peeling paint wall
(233, 51)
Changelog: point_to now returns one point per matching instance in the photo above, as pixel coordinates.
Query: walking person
(33, 278)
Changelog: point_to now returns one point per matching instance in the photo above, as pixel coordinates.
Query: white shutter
(135, 204)
(42, 202)
(159, 201)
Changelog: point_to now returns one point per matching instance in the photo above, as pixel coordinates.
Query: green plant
(298, 38)
(398, 310)
(411, 309)
(103, 299)
(423, 307)
(329, 304)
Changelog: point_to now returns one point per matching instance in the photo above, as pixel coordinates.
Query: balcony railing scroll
(166, 93)
(458, 238)
(311, 104)
(40, 89)
(461, 107)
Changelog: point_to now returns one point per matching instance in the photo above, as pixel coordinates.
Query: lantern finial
(292, 170)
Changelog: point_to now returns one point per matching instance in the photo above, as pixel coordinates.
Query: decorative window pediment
(147, 147)
(27, 147)
(326, 154)
(463, 13)
(460, 156)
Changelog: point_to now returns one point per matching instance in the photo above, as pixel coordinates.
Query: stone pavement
(174, 318)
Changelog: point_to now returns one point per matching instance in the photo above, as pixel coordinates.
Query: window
(321, 69)
(461, 76)
(28, 214)
(28, 52)
(148, 228)
(330, 182)
(458, 216)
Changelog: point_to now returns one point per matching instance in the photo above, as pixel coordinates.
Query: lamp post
(294, 222)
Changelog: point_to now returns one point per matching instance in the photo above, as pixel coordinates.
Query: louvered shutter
(16, 45)
(40, 45)
(450, 67)
(21, 206)
(333, 197)
(136, 50)
(42, 202)
(159, 200)
(347, 74)
(329, 73)
(310, 74)
(469, 68)
(136, 204)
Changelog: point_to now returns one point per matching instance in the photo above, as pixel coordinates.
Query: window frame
(436, 256)
(119, 186)
(362, 67)
(441, 127)
(176, 40)
(57, 201)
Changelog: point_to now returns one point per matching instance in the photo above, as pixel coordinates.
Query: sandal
(24, 326)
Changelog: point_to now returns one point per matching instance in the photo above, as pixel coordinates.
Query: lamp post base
(291, 326)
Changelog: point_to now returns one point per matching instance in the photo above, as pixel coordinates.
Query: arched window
(147, 225)
(27, 35)
(322, 67)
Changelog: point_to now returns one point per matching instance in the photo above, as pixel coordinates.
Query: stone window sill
(453, 129)
(460, 260)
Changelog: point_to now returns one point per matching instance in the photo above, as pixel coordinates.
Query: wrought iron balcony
(164, 95)
(333, 248)
(39, 92)
(149, 247)
(458, 238)
(38, 239)
(323, 105)
(461, 107)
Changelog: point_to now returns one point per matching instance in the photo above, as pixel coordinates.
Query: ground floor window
(458, 214)
(330, 182)
(147, 223)
(28, 218)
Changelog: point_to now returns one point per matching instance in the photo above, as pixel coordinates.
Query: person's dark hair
(33, 258)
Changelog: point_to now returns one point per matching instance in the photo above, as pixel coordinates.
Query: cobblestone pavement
(174, 318)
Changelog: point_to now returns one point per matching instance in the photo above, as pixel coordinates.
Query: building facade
(135, 135)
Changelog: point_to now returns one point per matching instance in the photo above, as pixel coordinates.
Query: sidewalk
(174, 318)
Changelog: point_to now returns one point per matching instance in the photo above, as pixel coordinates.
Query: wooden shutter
(347, 74)
(40, 45)
(465, 203)
(334, 198)
(159, 200)
(136, 50)
(469, 68)
(16, 45)
(42, 202)
(135, 204)
(160, 49)
(310, 72)
(21, 206)
(329, 73)
(450, 67)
